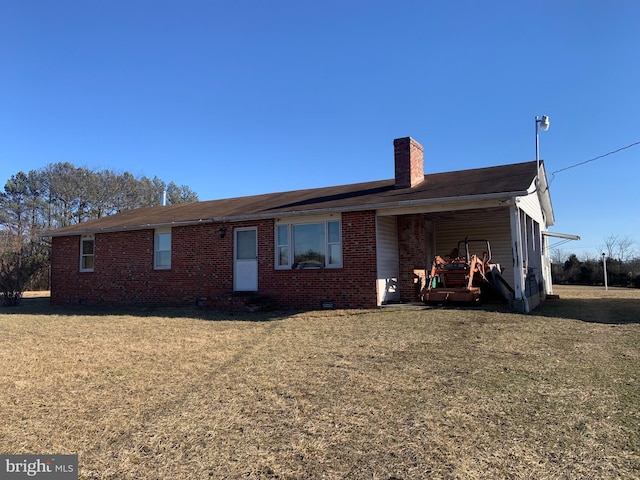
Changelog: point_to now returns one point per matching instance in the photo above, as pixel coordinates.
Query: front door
(245, 265)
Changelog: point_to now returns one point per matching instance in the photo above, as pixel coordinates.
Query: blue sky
(243, 97)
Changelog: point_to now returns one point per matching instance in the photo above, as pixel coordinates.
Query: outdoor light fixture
(542, 124)
(222, 232)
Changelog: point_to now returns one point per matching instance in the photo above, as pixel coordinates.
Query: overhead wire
(553, 174)
(561, 242)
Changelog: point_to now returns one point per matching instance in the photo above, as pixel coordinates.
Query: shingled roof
(510, 180)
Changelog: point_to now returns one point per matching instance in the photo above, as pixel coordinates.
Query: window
(86, 253)
(162, 249)
(246, 244)
(308, 245)
(282, 246)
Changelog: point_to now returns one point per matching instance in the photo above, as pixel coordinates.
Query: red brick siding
(352, 286)
(412, 245)
(202, 268)
(409, 162)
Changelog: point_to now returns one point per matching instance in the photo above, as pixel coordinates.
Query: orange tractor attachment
(460, 276)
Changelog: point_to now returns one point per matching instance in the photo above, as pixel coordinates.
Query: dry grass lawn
(397, 393)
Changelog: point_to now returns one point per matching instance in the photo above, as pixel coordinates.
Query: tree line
(591, 272)
(622, 265)
(59, 195)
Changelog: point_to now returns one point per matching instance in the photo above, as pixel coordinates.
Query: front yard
(400, 393)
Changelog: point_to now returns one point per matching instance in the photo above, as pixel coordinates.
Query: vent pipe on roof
(163, 200)
(409, 162)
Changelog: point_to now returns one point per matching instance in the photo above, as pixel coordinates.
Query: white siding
(387, 259)
(531, 205)
(494, 227)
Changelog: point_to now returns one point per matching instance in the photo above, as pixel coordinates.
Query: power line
(562, 242)
(593, 159)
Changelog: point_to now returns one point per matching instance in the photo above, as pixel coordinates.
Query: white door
(245, 265)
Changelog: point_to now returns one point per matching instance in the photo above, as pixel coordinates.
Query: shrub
(18, 268)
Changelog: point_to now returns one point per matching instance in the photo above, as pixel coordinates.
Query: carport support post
(604, 266)
(520, 301)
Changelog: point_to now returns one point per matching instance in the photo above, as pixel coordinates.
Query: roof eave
(401, 204)
(122, 228)
(541, 186)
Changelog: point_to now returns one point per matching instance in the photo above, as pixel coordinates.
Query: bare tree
(620, 248)
(558, 255)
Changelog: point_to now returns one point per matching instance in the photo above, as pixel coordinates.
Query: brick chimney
(409, 162)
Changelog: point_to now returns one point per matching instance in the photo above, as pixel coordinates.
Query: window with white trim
(162, 249)
(308, 245)
(87, 243)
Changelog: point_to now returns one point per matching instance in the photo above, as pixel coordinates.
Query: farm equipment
(465, 278)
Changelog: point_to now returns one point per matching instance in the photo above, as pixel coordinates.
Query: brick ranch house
(348, 246)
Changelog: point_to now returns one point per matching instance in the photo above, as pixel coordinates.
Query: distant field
(397, 393)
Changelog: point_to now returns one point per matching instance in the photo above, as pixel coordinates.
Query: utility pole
(604, 266)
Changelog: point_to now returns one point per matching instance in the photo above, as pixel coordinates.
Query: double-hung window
(86, 253)
(162, 249)
(309, 244)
